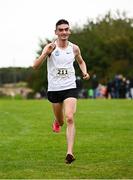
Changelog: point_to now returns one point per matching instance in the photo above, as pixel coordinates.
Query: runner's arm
(81, 63)
(46, 51)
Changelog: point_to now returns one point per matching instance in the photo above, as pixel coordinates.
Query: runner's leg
(58, 112)
(70, 109)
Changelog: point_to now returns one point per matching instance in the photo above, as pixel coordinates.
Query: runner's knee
(69, 119)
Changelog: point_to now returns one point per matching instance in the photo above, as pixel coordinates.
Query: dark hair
(61, 21)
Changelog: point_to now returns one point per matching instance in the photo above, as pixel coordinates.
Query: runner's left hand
(86, 76)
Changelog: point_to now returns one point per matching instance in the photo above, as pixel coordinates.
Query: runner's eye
(61, 29)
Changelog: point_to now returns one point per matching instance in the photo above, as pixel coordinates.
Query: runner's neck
(62, 44)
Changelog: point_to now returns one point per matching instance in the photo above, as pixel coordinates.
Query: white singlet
(61, 73)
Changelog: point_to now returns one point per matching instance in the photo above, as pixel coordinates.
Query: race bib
(62, 72)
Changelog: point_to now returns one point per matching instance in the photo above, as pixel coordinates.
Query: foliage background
(106, 45)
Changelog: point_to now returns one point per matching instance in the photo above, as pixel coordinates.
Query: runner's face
(63, 31)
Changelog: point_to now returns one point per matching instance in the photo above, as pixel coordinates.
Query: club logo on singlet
(57, 53)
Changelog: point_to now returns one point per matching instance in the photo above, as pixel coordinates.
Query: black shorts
(60, 96)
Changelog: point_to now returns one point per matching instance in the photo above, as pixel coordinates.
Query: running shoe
(69, 159)
(56, 127)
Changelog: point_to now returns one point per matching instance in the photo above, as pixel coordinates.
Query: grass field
(30, 150)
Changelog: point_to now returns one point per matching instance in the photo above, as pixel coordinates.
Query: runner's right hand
(50, 47)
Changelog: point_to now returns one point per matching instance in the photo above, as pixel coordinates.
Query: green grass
(30, 150)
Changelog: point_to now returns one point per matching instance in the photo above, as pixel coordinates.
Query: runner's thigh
(70, 106)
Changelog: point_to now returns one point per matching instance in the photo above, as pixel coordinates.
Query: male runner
(62, 92)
